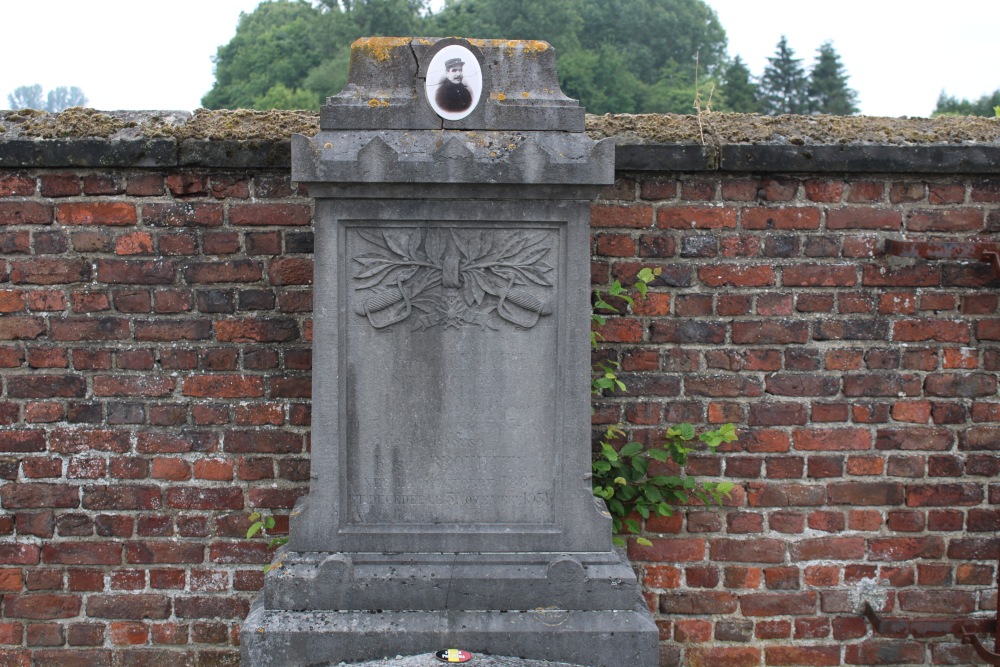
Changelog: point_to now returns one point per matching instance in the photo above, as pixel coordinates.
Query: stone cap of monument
(385, 88)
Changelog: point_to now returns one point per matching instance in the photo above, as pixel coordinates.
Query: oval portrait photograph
(454, 82)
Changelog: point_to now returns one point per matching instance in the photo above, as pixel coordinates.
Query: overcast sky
(134, 54)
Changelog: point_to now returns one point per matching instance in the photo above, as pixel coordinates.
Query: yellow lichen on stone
(380, 48)
(373, 103)
(525, 94)
(499, 97)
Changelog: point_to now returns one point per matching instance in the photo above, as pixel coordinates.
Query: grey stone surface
(450, 502)
(385, 88)
(589, 638)
(478, 660)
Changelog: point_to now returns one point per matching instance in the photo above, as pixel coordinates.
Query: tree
(624, 56)
(739, 92)
(58, 99)
(279, 42)
(784, 87)
(62, 97)
(952, 106)
(26, 97)
(828, 91)
(613, 55)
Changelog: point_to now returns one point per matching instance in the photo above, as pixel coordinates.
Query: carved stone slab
(450, 501)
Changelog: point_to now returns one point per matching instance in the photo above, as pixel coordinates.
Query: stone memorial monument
(450, 502)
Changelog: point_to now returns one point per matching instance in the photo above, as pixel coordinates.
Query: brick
(272, 214)
(947, 220)
(257, 330)
(122, 497)
(937, 601)
(943, 495)
(775, 332)
(129, 606)
(906, 548)
(223, 386)
(928, 329)
(778, 604)
(920, 275)
(730, 656)
(915, 438)
(828, 548)
(961, 385)
(756, 550)
(737, 275)
(881, 385)
(16, 185)
(138, 243)
(205, 498)
(19, 554)
(96, 213)
(696, 217)
(687, 331)
(781, 218)
(78, 440)
(173, 330)
(164, 552)
(668, 550)
(37, 494)
(231, 271)
(802, 655)
(136, 271)
(819, 275)
(82, 553)
(25, 213)
(89, 328)
(866, 493)
(159, 442)
(22, 441)
(41, 606)
(142, 385)
(299, 271)
(187, 214)
(864, 218)
(211, 607)
(698, 602)
(49, 271)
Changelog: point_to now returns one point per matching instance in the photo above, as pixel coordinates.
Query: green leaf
(254, 516)
(617, 541)
(631, 449)
(616, 507)
(621, 481)
(646, 274)
(632, 525)
(269, 522)
(657, 455)
(601, 466)
(687, 431)
(642, 541)
(254, 529)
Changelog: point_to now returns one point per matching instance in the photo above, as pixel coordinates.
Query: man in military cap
(453, 95)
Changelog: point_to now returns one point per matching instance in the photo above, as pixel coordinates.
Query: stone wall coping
(246, 139)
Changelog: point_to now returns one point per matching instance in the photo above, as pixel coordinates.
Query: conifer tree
(739, 91)
(828, 91)
(784, 87)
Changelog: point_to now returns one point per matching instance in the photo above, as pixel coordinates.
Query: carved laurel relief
(452, 277)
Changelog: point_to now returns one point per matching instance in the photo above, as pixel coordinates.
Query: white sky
(139, 54)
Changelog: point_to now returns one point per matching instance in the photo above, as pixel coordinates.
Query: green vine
(262, 523)
(621, 476)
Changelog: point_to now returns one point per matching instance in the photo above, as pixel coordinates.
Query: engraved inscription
(452, 277)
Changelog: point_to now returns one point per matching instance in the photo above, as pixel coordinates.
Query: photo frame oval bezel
(475, 118)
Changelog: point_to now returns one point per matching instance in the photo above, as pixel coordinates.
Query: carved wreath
(454, 277)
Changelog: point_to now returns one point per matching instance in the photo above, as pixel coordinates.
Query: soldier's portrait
(454, 82)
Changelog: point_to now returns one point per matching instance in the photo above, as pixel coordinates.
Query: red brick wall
(155, 348)
(155, 353)
(865, 391)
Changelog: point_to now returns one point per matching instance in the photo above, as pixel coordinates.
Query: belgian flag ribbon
(453, 655)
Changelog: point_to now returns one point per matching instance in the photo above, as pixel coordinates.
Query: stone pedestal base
(321, 638)
(320, 609)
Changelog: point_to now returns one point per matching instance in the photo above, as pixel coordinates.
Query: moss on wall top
(713, 128)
